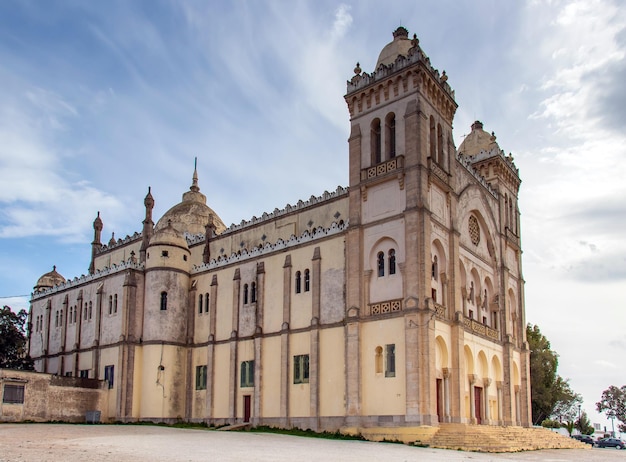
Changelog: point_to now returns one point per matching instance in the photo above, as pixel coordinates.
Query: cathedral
(397, 301)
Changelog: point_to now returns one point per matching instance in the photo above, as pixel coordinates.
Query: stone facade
(397, 301)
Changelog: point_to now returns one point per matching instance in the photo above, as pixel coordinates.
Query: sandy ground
(126, 443)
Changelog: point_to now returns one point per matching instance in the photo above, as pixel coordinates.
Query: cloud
(619, 343)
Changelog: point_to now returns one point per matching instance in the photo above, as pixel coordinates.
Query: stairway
(488, 438)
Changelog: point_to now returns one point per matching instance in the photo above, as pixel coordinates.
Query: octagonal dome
(49, 280)
(192, 214)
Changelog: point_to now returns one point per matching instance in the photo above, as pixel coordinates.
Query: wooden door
(439, 400)
(247, 407)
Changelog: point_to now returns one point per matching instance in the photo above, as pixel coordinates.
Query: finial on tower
(194, 184)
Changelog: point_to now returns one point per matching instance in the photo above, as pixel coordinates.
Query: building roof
(48, 280)
(192, 214)
(400, 46)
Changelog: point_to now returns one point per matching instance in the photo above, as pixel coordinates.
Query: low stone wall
(37, 397)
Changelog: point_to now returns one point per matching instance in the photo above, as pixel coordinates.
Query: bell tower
(400, 143)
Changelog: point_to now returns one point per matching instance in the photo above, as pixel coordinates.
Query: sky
(101, 100)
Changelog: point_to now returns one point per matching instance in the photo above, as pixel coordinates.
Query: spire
(148, 225)
(194, 183)
(96, 245)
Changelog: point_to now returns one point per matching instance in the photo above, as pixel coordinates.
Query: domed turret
(169, 236)
(49, 280)
(478, 140)
(400, 46)
(192, 214)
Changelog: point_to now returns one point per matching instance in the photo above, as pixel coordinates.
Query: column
(486, 383)
(472, 381)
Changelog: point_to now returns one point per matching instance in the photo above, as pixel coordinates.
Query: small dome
(478, 140)
(169, 236)
(49, 280)
(400, 46)
(192, 214)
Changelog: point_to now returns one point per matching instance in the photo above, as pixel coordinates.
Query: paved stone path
(135, 443)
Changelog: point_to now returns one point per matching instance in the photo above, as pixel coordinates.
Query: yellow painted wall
(110, 357)
(271, 354)
(163, 391)
(199, 397)
(332, 372)
(383, 395)
(221, 381)
(299, 394)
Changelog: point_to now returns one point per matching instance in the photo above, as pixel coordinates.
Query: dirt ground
(126, 443)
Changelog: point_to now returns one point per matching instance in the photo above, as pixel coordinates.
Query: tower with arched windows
(447, 220)
(395, 302)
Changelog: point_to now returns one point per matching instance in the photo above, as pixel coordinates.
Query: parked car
(584, 439)
(611, 443)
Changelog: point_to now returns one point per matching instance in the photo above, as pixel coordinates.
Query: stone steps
(488, 438)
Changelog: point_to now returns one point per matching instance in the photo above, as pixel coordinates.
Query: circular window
(474, 230)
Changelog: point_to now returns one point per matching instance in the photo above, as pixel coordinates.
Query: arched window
(61, 318)
(253, 292)
(433, 140)
(90, 310)
(56, 319)
(71, 316)
(206, 302)
(307, 280)
(376, 142)
(381, 264)
(115, 303)
(163, 301)
(245, 294)
(75, 311)
(392, 261)
(378, 360)
(435, 269)
(200, 304)
(298, 282)
(85, 312)
(439, 144)
(390, 135)
(110, 304)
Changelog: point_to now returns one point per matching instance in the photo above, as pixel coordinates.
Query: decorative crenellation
(255, 252)
(119, 243)
(467, 163)
(300, 205)
(504, 164)
(131, 263)
(416, 55)
(199, 238)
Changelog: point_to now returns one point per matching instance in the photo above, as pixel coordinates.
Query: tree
(569, 426)
(613, 404)
(583, 424)
(13, 354)
(551, 395)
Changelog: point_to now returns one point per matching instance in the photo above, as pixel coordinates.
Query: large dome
(192, 214)
(400, 46)
(49, 280)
